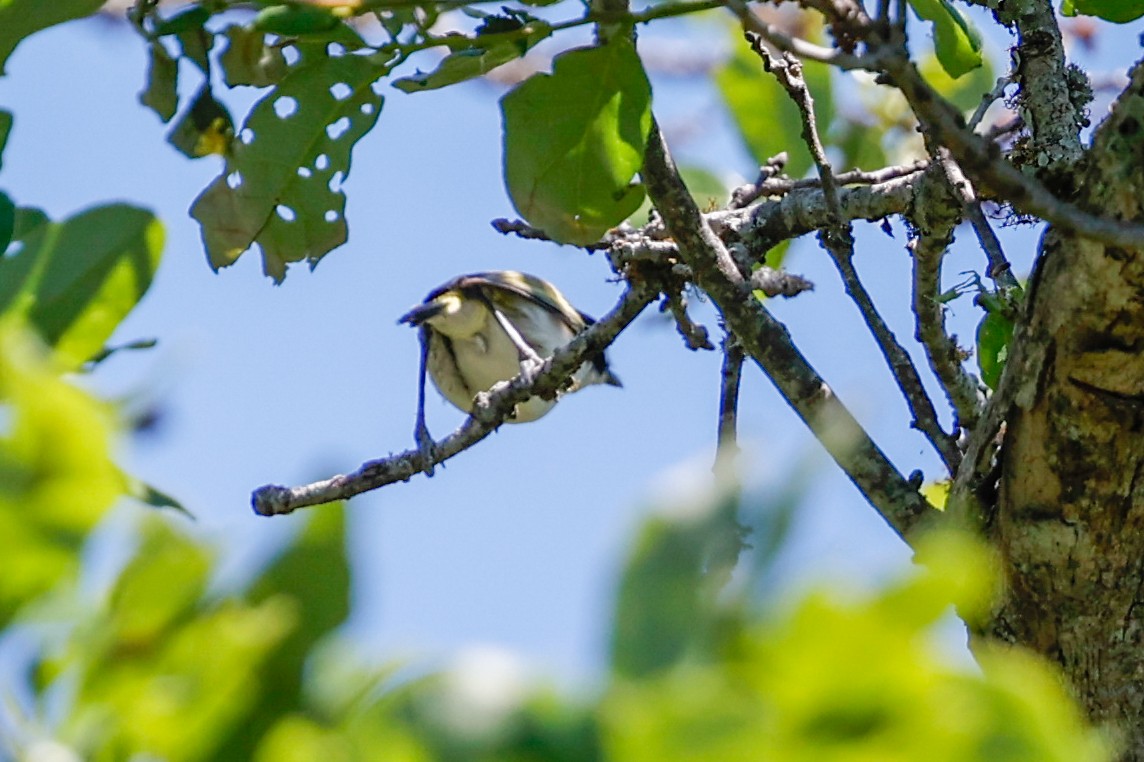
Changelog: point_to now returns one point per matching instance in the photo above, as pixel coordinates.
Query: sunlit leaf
(22, 18)
(76, 280)
(964, 92)
(57, 478)
(281, 188)
(1119, 11)
(168, 672)
(574, 140)
(956, 43)
(994, 333)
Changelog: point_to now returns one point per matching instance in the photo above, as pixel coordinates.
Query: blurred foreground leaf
(57, 478)
(22, 18)
(74, 281)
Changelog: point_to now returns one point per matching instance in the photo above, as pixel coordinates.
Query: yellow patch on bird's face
(459, 318)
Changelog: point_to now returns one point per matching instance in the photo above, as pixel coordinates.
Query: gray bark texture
(1069, 518)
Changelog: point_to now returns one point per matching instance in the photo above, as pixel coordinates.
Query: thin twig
(983, 163)
(838, 241)
(988, 100)
(796, 45)
(490, 409)
(694, 335)
(768, 343)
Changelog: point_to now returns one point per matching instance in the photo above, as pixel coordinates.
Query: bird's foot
(427, 447)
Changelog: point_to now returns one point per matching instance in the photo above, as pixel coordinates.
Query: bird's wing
(536, 290)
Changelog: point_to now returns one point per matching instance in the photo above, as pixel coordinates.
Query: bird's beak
(422, 312)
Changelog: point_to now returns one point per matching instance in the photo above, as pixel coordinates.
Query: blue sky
(517, 543)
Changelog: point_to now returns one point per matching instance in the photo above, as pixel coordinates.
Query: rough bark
(1070, 515)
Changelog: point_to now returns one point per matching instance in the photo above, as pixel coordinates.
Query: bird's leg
(530, 361)
(421, 435)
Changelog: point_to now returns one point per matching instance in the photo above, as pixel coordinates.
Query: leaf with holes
(955, 42)
(281, 185)
(75, 280)
(574, 139)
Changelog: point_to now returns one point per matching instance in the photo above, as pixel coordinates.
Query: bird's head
(452, 313)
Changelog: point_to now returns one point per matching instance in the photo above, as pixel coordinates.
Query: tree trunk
(1070, 515)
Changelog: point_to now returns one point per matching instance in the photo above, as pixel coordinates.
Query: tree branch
(1046, 103)
(768, 343)
(490, 409)
(933, 219)
(982, 162)
(838, 240)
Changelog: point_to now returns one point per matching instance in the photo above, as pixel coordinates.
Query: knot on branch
(774, 282)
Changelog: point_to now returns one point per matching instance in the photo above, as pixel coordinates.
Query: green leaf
(205, 128)
(1119, 11)
(708, 191)
(472, 62)
(666, 612)
(162, 92)
(293, 19)
(76, 280)
(281, 186)
(956, 43)
(23, 18)
(169, 670)
(183, 21)
(312, 578)
(994, 333)
(57, 479)
(153, 496)
(574, 139)
(5, 131)
(964, 92)
(248, 60)
(196, 44)
(314, 573)
(861, 146)
(7, 222)
(768, 120)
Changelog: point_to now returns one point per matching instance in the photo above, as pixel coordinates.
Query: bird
(483, 328)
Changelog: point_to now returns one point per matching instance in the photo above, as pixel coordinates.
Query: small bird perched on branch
(483, 328)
